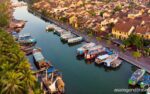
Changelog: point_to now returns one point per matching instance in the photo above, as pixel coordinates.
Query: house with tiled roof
(143, 30)
(123, 28)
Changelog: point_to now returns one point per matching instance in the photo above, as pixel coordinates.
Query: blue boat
(145, 82)
(136, 76)
(26, 39)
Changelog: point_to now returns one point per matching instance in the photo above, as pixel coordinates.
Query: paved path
(143, 62)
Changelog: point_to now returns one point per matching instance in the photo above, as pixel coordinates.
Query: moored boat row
(100, 54)
(65, 35)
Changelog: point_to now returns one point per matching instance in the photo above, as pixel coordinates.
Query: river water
(80, 77)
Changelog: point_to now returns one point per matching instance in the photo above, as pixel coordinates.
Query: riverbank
(143, 62)
(15, 67)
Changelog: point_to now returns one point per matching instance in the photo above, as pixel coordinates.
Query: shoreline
(129, 59)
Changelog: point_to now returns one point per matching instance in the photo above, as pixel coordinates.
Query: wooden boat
(101, 58)
(85, 47)
(116, 63)
(39, 59)
(26, 39)
(75, 40)
(60, 31)
(94, 52)
(109, 60)
(136, 76)
(50, 28)
(53, 82)
(67, 36)
(27, 49)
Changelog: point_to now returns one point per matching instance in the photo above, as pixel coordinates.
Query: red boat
(94, 52)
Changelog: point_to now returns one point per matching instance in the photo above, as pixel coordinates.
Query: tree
(126, 43)
(136, 54)
(11, 83)
(122, 47)
(28, 78)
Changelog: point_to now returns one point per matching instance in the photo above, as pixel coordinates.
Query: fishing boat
(67, 36)
(50, 28)
(27, 49)
(145, 82)
(26, 39)
(53, 82)
(75, 40)
(136, 76)
(101, 58)
(85, 47)
(116, 63)
(94, 52)
(109, 60)
(60, 31)
(39, 59)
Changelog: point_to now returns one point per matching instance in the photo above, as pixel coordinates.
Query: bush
(3, 21)
(136, 54)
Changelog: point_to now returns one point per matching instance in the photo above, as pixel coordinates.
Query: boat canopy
(38, 56)
(51, 69)
(101, 57)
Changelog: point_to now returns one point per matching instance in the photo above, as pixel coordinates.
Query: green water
(80, 77)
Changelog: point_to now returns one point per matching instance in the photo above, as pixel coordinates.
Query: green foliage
(3, 21)
(117, 8)
(15, 74)
(101, 13)
(122, 47)
(16, 77)
(4, 14)
(134, 40)
(99, 38)
(92, 13)
(136, 54)
(108, 42)
(64, 19)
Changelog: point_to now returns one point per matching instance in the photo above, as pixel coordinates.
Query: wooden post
(46, 75)
(41, 85)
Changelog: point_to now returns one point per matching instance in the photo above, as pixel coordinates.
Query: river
(80, 77)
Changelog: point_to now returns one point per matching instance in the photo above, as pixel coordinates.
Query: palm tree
(29, 79)
(11, 84)
(5, 67)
